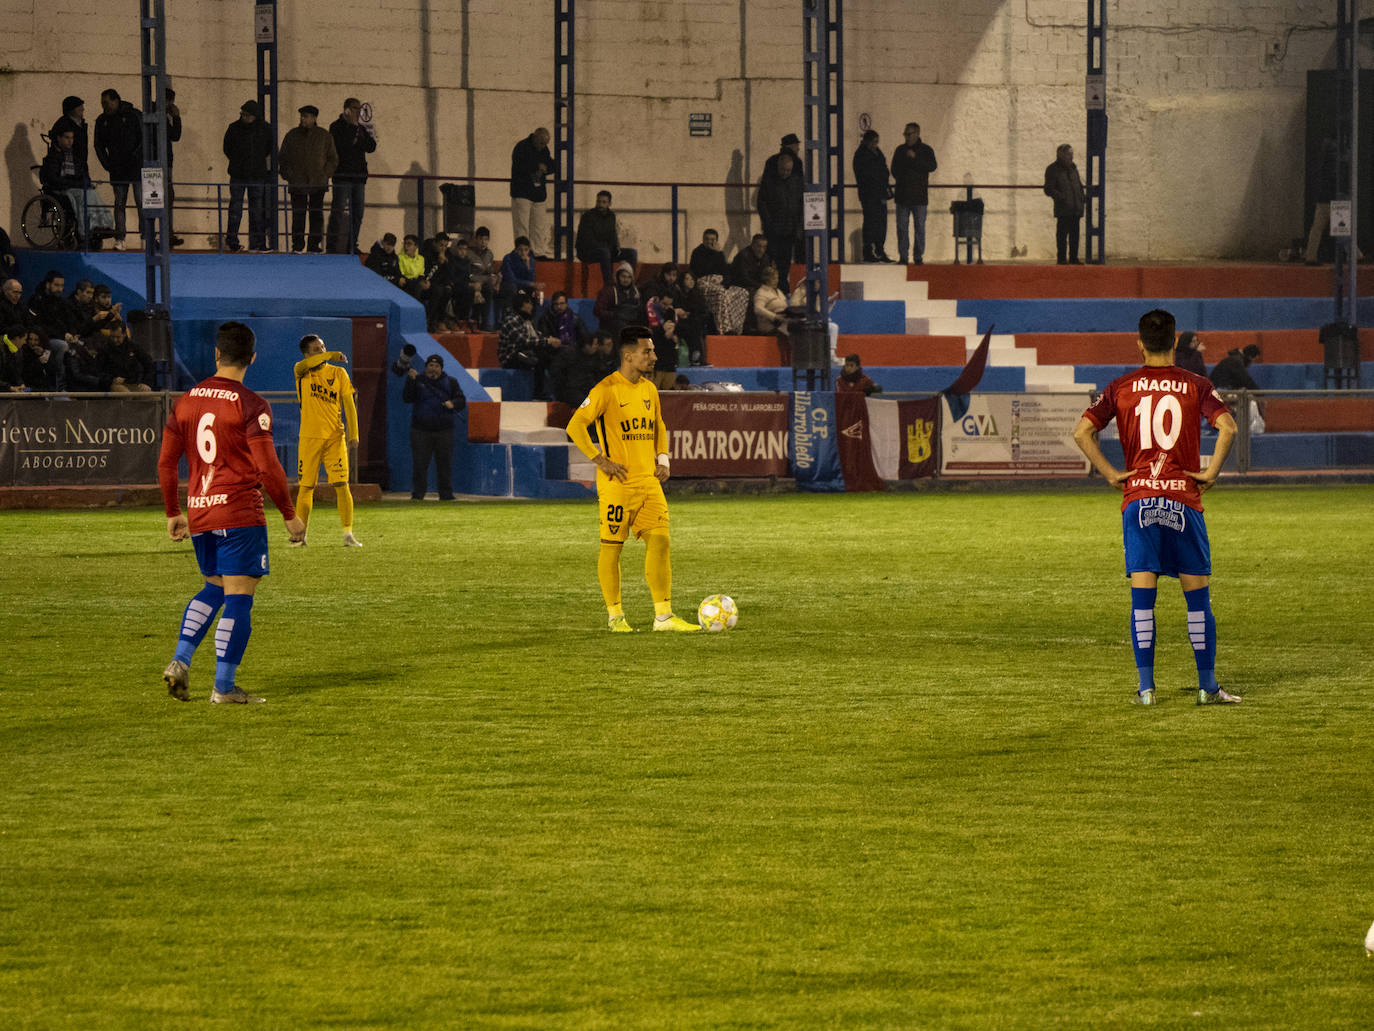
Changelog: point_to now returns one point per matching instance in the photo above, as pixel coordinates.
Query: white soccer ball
(718, 612)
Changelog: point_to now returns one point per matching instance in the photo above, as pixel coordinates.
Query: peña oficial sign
(47, 442)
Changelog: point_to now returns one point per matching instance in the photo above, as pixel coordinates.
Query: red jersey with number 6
(1158, 412)
(225, 432)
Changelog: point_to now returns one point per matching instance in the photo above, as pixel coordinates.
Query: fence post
(420, 206)
(219, 216)
(674, 222)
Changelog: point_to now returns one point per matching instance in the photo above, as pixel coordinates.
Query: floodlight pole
(265, 38)
(1095, 187)
(157, 242)
(564, 103)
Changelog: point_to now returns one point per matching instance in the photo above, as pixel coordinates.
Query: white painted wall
(1206, 139)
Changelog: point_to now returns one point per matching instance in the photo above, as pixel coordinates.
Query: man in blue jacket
(436, 399)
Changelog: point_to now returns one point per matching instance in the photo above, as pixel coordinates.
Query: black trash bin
(460, 209)
(151, 332)
(1341, 355)
(968, 228)
(810, 354)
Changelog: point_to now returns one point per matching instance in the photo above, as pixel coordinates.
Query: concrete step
(523, 415)
(956, 326)
(493, 393)
(544, 435)
(927, 309)
(1052, 377)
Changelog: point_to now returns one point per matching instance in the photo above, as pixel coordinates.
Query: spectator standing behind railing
(870, 175)
(598, 238)
(780, 211)
(912, 164)
(307, 160)
(1064, 185)
(531, 165)
(354, 143)
(248, 144)
(173, 137)
(119, 147)
(790, 144)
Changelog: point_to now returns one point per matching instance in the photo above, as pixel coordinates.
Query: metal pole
(265, 36)
(1354, 244)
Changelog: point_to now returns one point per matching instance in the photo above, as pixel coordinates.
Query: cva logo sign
(979, 424)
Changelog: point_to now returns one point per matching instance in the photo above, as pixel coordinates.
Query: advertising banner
(855, 442)
(1014, 435)
(68, 441)
(720, 434)
(906, 437)
(816, 458)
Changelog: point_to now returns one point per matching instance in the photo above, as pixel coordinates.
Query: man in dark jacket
(1233, 371)
(790, 144)
(747, 269)
(620, 303)
(870, 175)
(436, 399)
(575, 370)
(13, 310)
(1065, 187)
(562, 323)
(74, 118)
(520, 344)
(531, 165)
(248, 144)
(86, 366)
(61, 175)
(598, 238)
(383, 261)
(353, 143)
(780, 211)
(119, 146)
(307, 160)
(54, 318)
(708, 259)
(912, 164)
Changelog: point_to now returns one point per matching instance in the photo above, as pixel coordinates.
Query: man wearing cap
(789, 144)
(435, 399)
(307, 159)
(354, 142)
(248, 146)
(119, 146)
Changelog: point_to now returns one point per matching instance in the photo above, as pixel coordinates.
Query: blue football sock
(231, 638)
(195, 623)
(1202, 632)
(1143, 634)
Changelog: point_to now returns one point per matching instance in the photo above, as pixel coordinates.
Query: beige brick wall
(1206, 130)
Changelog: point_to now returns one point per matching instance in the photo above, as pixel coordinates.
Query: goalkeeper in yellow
(631, 465)
(323, 390)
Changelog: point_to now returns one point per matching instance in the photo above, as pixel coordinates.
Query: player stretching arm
(631, 465)
(225, 432)
(1158, 409)
(323, 389)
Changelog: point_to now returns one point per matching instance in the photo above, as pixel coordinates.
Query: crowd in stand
(58, 341)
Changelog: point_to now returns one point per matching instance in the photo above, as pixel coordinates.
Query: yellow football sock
(344, 499)
(658, 571)
(305, 500)
(608, 573)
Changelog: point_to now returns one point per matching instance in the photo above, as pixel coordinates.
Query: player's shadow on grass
(325, 681)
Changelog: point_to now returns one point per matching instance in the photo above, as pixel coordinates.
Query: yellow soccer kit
(629, 425)
(324, 390)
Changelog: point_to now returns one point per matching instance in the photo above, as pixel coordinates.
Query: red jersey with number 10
(225, 431)
(1158, 412)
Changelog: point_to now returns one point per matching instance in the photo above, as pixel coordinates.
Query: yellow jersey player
(323, 390)
(631, 465)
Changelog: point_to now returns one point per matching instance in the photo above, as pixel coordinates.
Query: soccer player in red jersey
(225, 432)
(1158, 411)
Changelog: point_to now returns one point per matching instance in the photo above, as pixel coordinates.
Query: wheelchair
(48, 221)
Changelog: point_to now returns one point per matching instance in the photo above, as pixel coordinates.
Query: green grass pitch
(908, 791)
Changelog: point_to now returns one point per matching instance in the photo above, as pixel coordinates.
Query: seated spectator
(707, 259)
(37, 365)
(51, 313)
(11, 342)
(465, 292)
(520, 345)
(606, 349)
(853, 378)
(105, 310)
(747, 269)
(87, 366)
(6, 255)
(61, 176)
(560, 321)
(382, 260)
(598, 238)
(1232, 372)
(667, 348)
(486, 271)
(770, 305)
(575, 370)
(1190, 354)
(13, 310)
(681, 382)
(517, 271)
(433, 247)
(619, 304)
(414, 279)
(82, 302)
(688, 307)
(130, 368)
(438, 274)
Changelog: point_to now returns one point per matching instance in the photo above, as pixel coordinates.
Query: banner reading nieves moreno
(46, 442)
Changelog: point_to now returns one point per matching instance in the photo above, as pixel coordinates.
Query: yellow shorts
(333, 452)
(638, 505)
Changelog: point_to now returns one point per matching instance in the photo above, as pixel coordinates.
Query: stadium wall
(1206, 102)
